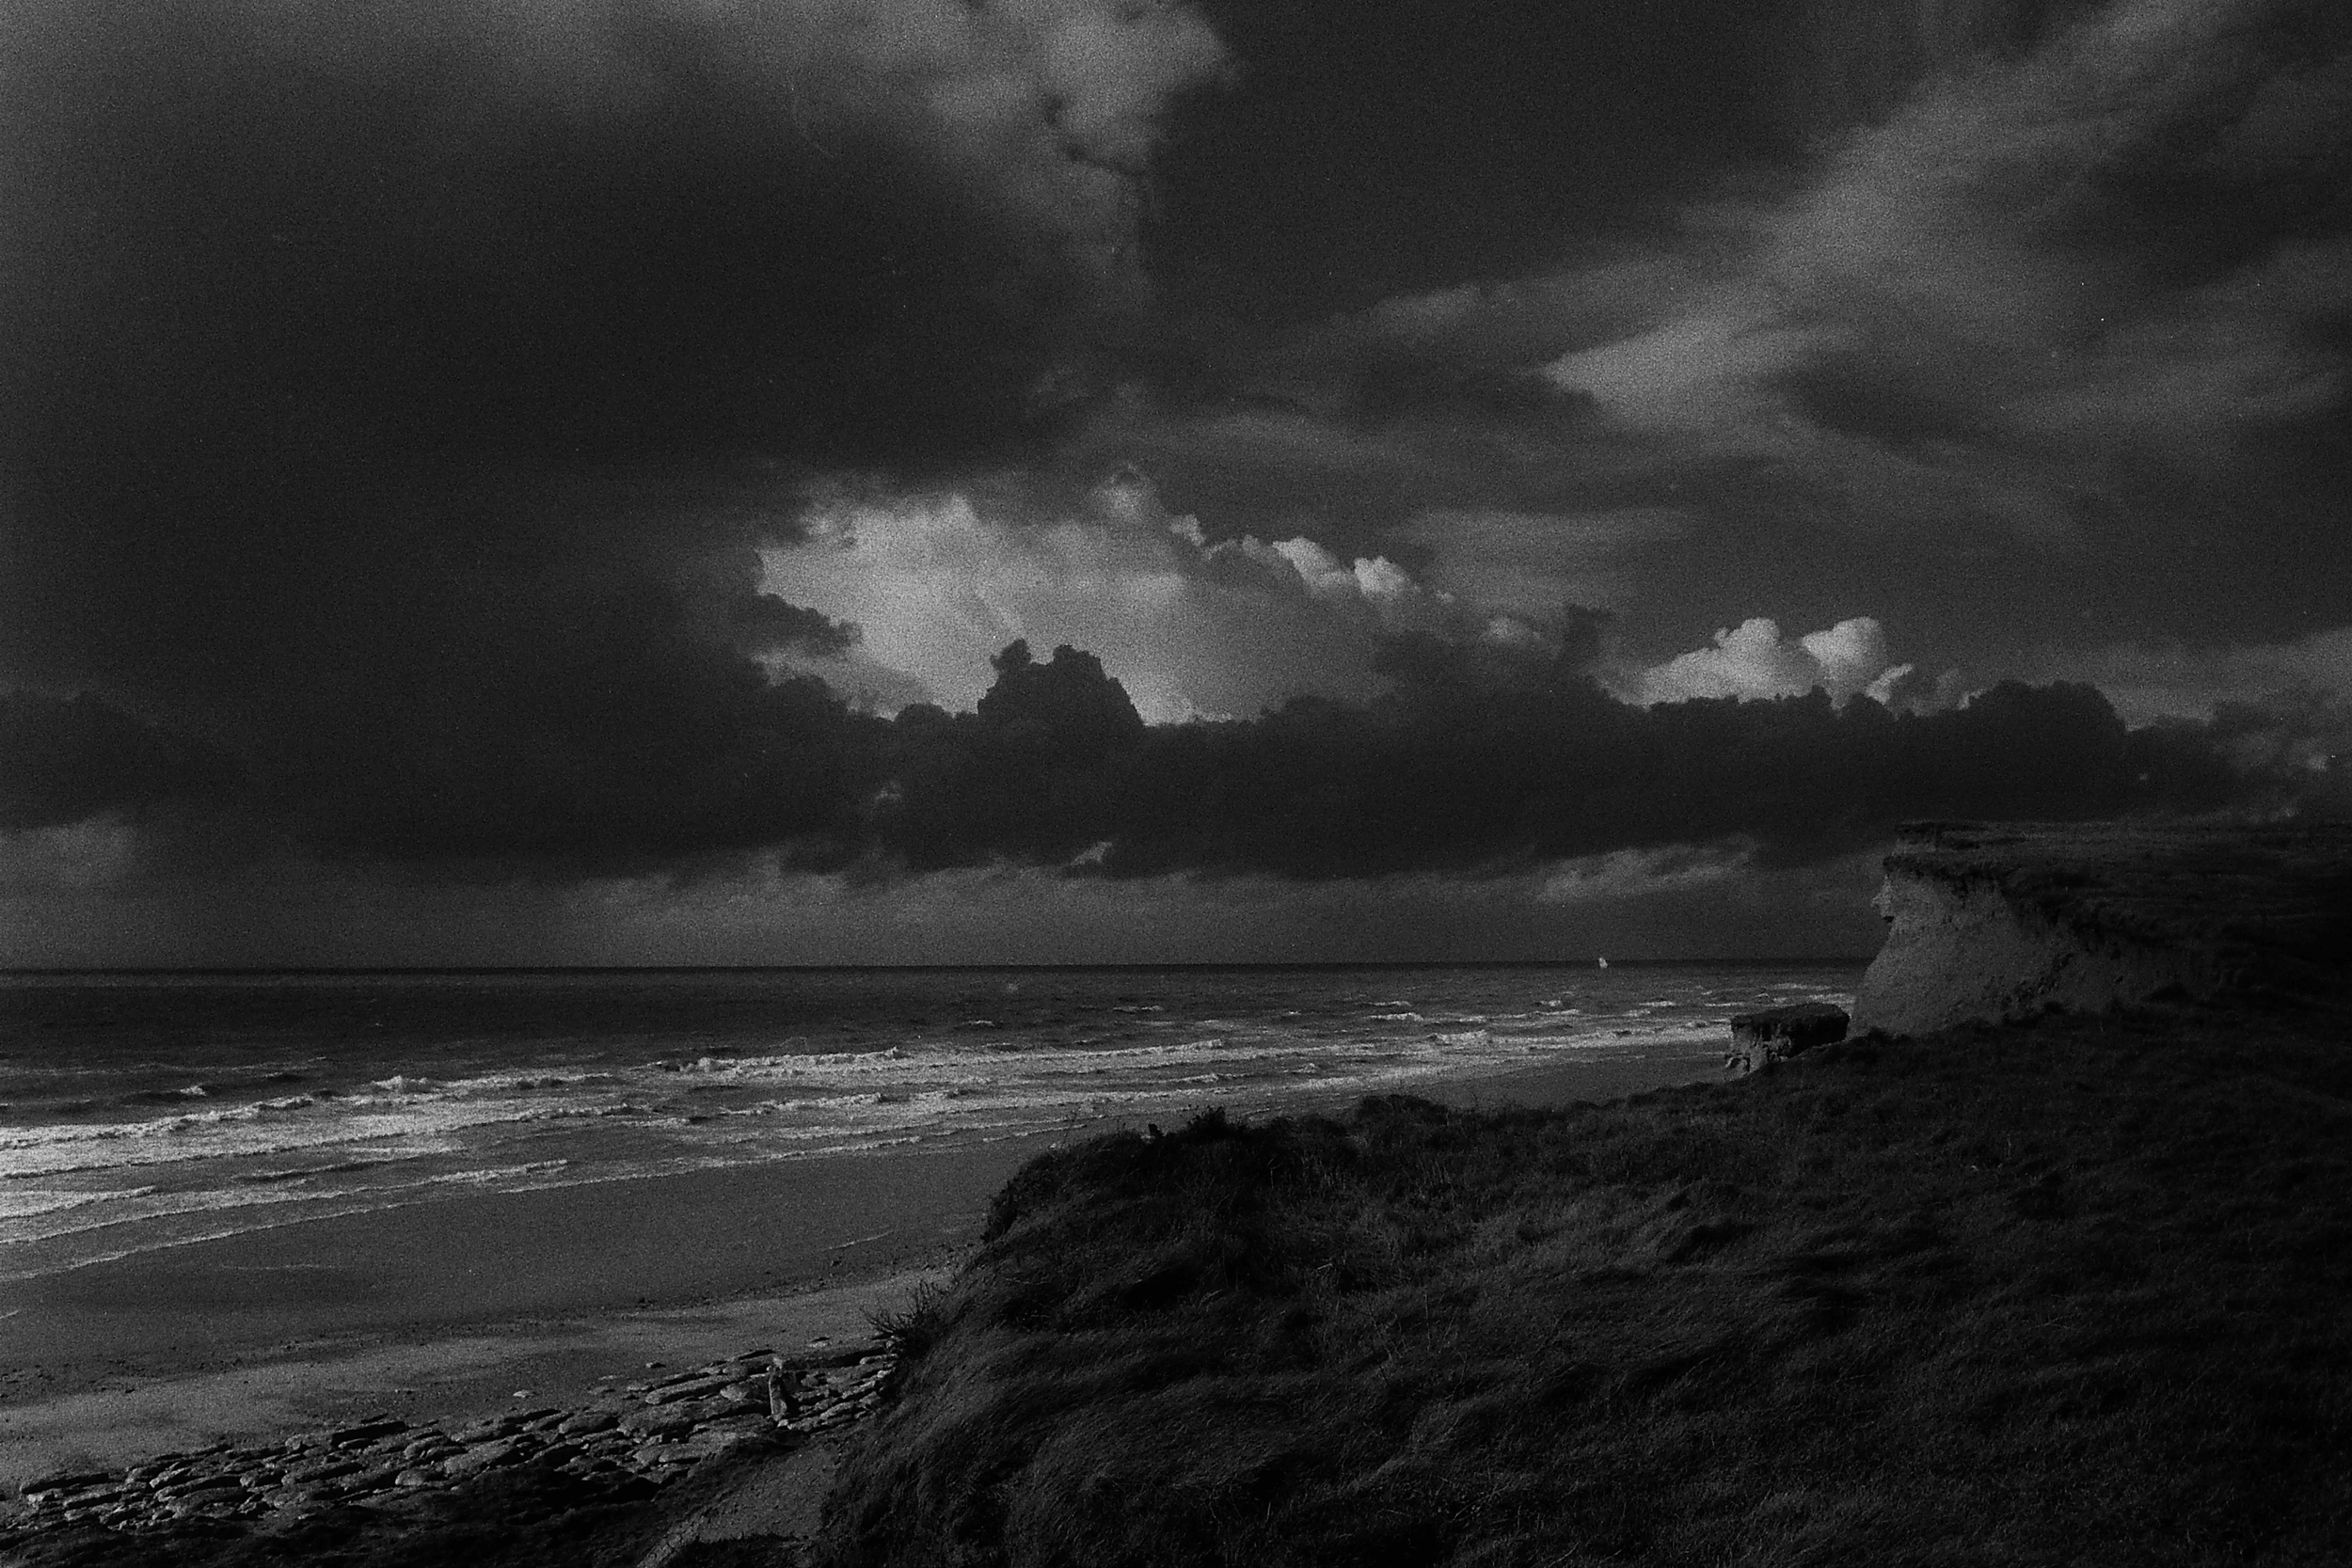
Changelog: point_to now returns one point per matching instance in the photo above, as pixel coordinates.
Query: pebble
(643, 1432)
(689, 1389)
(367, 1431)
(657, 1422)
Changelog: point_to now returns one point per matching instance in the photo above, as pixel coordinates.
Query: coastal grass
(2077, 1293)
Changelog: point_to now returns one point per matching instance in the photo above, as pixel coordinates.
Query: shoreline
(621, 1443)
(2095, 1255)
(444, 1379)
(445, 1310)
(456, 1309)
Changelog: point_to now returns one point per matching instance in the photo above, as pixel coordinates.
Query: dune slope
(2072, 1290)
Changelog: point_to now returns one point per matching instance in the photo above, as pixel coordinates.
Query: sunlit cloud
(940, 584)
(1753, 660)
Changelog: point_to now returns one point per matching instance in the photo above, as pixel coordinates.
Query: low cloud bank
(1483, 759)
(1467, 768)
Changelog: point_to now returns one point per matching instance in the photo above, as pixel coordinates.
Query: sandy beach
(466, 1305)
(448, 1308)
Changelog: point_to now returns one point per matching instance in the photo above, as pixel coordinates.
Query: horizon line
(235, 970)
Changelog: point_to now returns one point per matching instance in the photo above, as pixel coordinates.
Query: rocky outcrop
(1993, 923)
(1760, 1039)
(646, 1431)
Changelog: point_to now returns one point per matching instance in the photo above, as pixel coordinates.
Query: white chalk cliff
(1993, 923)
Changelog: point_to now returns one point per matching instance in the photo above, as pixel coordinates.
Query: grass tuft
(2069, 1294)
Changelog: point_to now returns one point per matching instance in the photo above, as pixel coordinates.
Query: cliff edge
(1992, 923)
(2069, 1290)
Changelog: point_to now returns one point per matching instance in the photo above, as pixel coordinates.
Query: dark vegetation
(2070, 1293)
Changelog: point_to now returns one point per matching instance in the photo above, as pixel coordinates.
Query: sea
(144, 1110)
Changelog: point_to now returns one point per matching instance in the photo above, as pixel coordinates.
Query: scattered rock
(477, 1459)
(721, 1408)
(325, 1469)
(210, 1484)
(67, 1480)
(688, 1389)
(1759, 1039)
(366, 1433)
(588, 1422)
(657, 1423)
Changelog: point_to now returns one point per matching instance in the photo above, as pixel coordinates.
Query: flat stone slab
(1773, 1033)
(626, 1436)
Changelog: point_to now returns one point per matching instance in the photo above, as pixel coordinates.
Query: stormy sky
(779, 480)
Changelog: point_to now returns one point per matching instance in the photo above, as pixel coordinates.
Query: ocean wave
(24, 1203)
(269, 1211)
(237, 1133)
(486, 1174)
(788, 1104)
(402, 1084)
(168, 1097)
(420, 1118)
(298, 1173)
(151, 1205)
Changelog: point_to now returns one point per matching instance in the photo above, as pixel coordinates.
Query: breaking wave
(90, 1168)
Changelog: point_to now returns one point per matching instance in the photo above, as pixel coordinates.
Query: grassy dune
(2078, 1293)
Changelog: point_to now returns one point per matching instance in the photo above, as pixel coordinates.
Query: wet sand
(463, 1306)
(447, 1309)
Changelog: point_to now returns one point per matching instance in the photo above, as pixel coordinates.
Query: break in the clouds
(396, 397)
(1753, 660)
(2071, 303)
(1193, 627)
(940, 584)
(624, 438)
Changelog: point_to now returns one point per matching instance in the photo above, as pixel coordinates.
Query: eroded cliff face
(1995, 923)
(1961, 951)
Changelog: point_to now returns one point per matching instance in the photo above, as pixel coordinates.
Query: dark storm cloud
(396, 395)
(2058, 288)
(399, 401)
(766, 624)
(1483, 762)
(2136, 232)
(1485, 759)
(66, 761)
(1386, 147)
(281, 307)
